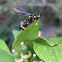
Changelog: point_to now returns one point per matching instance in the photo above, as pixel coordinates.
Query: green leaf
(46, 52)
(6, 57)
(3, 46)
(29, 34)
(60, 38)
(15, 33)
(53, 41)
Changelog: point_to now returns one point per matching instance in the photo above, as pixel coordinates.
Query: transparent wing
(22, 11)
(27, 14)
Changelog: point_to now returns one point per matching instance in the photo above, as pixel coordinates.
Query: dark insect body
(31, 18)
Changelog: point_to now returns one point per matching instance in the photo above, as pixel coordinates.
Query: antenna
(40, 13)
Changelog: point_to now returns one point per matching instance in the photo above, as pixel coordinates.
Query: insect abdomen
(23, 27)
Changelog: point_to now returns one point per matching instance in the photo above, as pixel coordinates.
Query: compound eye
(34, 16)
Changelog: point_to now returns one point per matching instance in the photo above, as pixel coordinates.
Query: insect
(30, 19)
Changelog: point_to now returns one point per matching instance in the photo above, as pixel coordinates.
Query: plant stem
(28, 60)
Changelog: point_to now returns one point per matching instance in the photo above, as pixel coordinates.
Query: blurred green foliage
(5, 53)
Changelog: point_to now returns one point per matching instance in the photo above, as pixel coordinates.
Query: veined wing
(22, 11)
